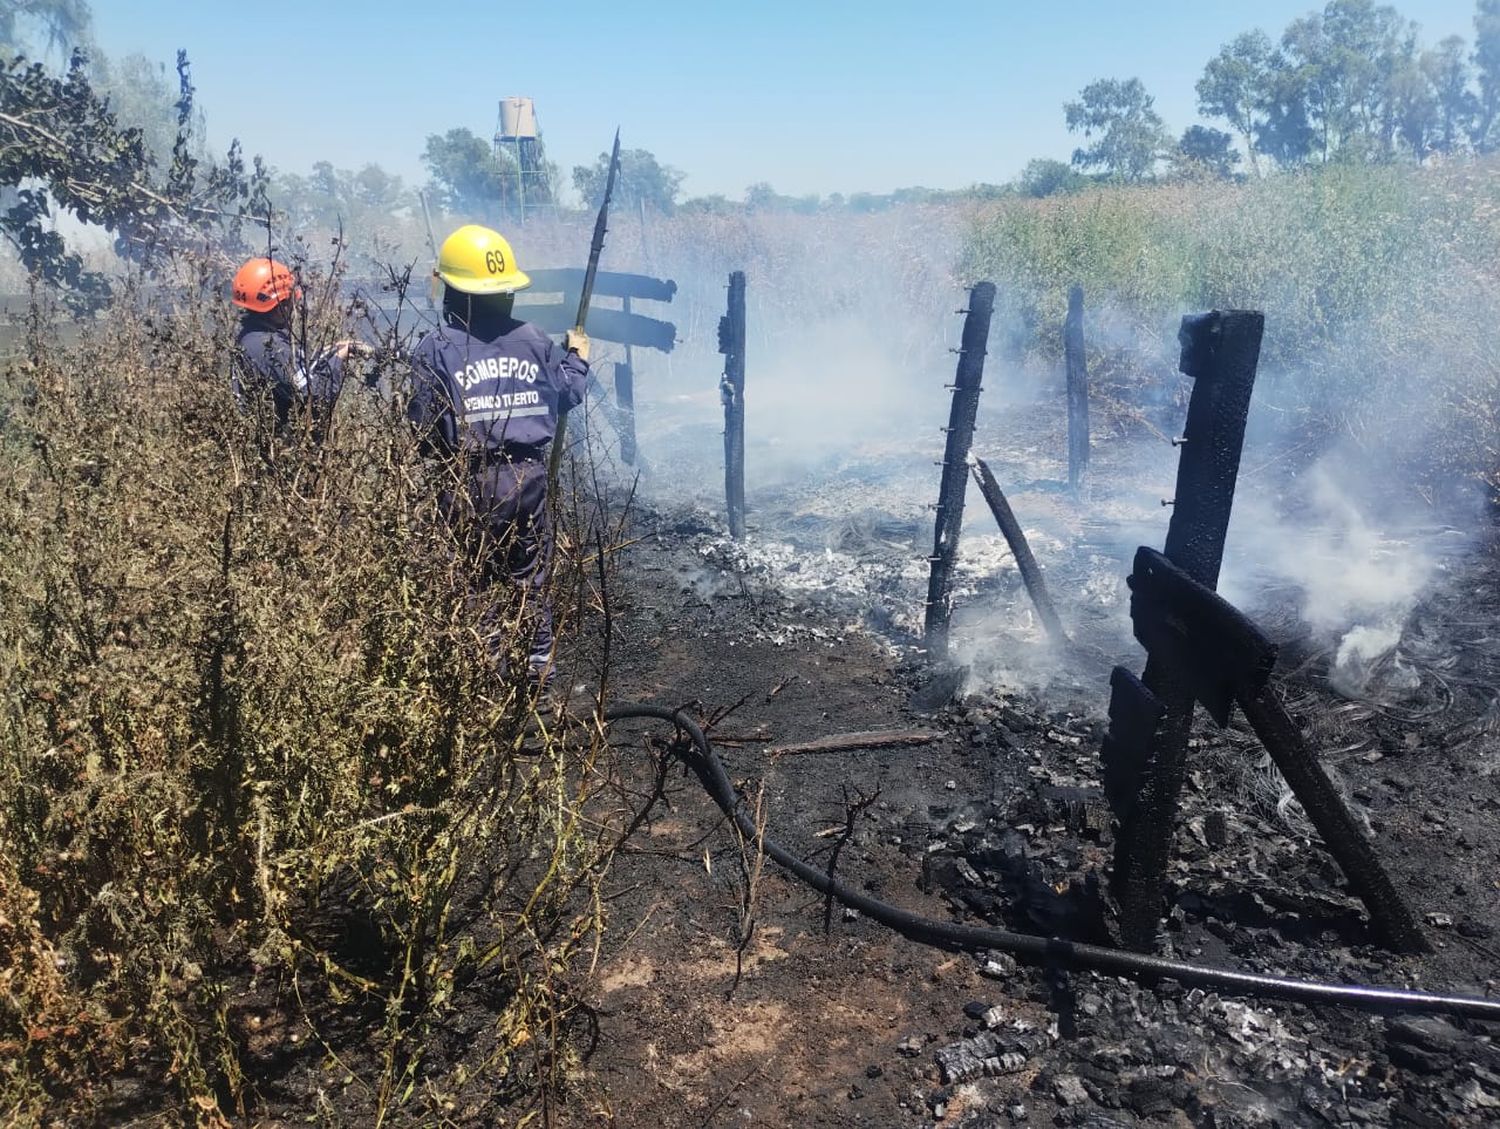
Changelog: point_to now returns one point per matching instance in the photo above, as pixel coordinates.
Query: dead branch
(871, 739)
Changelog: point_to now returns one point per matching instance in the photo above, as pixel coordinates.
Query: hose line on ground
(1043, 950)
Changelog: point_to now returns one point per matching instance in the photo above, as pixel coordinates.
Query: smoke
(1336, 542)
(850, 323)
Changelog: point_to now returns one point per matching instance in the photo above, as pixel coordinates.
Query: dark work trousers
(503, 510)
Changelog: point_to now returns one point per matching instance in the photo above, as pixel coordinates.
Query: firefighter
(269, 365)
(486, 393)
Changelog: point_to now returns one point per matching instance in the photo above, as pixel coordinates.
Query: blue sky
(812, 97)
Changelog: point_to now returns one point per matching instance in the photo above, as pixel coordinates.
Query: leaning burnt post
(732, 392)
(1324, 806)
(1015, 537)
(1078, 391)
(960, 429)
(1220, 351)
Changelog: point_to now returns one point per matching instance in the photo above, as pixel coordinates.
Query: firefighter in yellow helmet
(486, 393)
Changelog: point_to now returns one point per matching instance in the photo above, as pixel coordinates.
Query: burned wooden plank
(610, 411)
(1078, 391)
(625, 402)
(1134, 715)
(871, 739)
(1222, 657)
(604, 325)
(1031, 575)
(732, 392)
(608, 284)
(1219, 651)
(950, 505)
(1220, 351)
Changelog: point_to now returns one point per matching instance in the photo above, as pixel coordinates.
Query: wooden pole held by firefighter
(591, 272)
(950, 505)
(1078, 391)
(732, 392)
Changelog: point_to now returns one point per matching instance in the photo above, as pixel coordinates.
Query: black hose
(1046, 950)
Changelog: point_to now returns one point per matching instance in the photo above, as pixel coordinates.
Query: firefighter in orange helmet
(269, 365)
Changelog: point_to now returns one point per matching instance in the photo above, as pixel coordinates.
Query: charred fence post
(625, 401)
(1014, 537)
(1220, 351)
(625, 388)
(1078, 391)
(960, 429)
(732, 392)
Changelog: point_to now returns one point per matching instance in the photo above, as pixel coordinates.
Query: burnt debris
(625, 402)
(1005, 517)
(1220, 351)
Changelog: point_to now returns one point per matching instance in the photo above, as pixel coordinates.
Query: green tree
(866, 202)
(1205, 151)
(1285, 134)
(715, 205)
(1131, 137)
(1236, 86)
(1412, 104)
(469, 176)
(1346, 64)
(1044, 176)
(641, 179)
(141, 95)
(329, 197)
(1487, 63)
(61, 147)
(1448, 73)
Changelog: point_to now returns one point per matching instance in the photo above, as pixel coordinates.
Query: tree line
(1351, 83)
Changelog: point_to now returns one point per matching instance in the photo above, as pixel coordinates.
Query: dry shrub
(255, 759)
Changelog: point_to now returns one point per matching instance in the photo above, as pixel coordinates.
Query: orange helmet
(263, 284)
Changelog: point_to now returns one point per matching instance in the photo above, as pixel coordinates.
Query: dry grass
(255, 760)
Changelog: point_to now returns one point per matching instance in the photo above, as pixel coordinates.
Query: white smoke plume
(1356, 568)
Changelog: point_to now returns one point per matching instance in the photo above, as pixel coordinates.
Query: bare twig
(852, 812)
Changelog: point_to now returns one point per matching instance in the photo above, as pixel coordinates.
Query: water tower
(517, 134)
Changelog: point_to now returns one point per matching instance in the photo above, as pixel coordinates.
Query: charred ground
(1003, 821)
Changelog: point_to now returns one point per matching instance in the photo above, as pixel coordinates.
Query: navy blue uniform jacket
(496, 391)
(266, 360)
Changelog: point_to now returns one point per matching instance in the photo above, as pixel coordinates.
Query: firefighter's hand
(345, 348)
(577, 341)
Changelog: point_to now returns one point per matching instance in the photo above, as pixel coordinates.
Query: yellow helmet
(478, 260)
